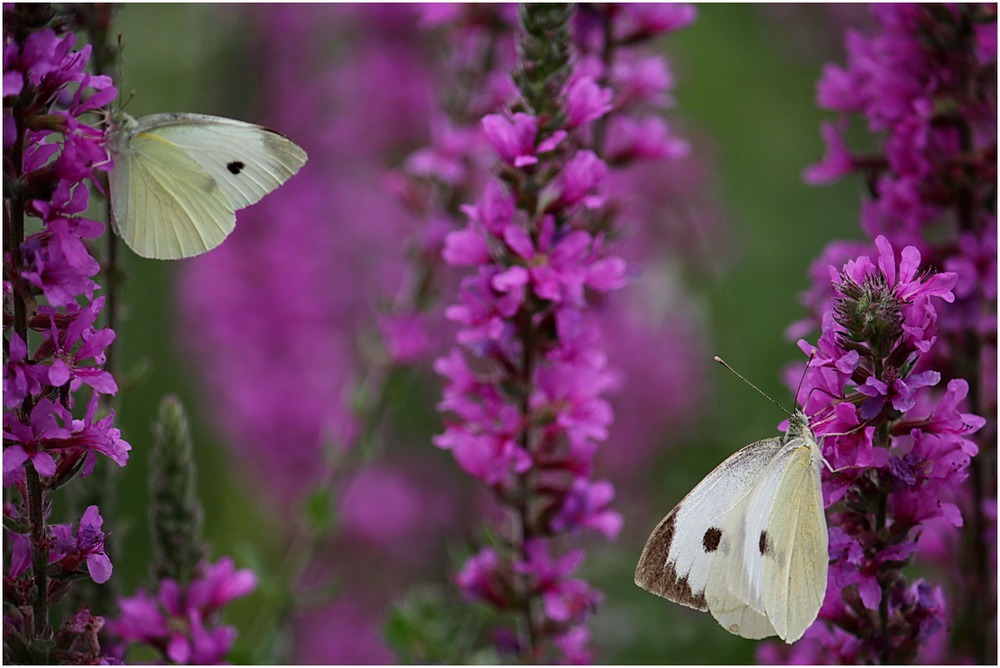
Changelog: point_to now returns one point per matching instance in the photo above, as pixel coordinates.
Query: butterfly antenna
(121, 75)
(803, 377)
(759, 391)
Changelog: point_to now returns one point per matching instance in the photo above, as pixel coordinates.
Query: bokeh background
(745, 88)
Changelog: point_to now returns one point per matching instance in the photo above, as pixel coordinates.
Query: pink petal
(100, 567)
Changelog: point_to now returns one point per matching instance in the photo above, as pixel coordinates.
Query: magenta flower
(44, 437)
(480, 578)
(20, 376)
(449, 155)
(897, 392)
(75, 330)
(563, 598)
(69, 549)
(486, 447)
(586, 101)
(837, 162)
(557, 269)
(20, 554)
(87, 545)
(182, 620)
(30, 440)
(466, 247)
(59, 265)
(588, 505)
(406, 337)
(579, 181)
(649, 138)
(219, 584)
(514, 138)
(575, 645)
(636, 21)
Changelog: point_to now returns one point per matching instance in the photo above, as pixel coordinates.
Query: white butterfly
(179, 179)
(749, 542)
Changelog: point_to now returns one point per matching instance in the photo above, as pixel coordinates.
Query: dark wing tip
(657, 575)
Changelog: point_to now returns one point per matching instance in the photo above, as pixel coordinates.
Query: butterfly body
(749, 543)
(179, 179)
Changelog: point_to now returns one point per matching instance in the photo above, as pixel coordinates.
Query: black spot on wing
(235, 167)
(710, 541)
(762, 544)
(657, 575)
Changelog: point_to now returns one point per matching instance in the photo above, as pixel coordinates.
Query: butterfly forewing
(731, 611)
(677, 558)
(246, 160)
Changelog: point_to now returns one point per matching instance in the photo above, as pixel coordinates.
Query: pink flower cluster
(524, 393)
(182, 621)
(70, 550)
(50, 155)
(925, 82)
(895, 444)
(903, 368)
(55, 262)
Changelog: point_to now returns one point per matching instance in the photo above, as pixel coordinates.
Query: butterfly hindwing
(165, 205)
(679, 555)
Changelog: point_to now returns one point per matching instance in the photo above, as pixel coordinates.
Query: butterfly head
(798, 426)
(123, 121)
(123, 127)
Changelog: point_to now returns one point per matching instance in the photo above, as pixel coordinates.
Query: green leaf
(431, 626)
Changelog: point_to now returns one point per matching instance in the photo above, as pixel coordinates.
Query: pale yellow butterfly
(178, 179)
(749, 543)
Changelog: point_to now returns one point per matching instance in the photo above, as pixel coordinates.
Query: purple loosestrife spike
(175, 512)
(524, 391)
(182, 622)
(899, 360)
(891, 482)
(50, 155)
(530, 431)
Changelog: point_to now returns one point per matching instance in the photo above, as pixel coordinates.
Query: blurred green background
(745, 93)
